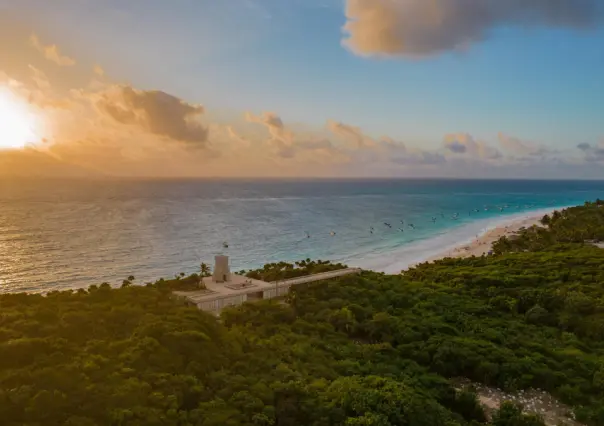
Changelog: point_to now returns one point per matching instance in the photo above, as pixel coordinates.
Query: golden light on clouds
(18, 125)
(51, 52)
(81, 121)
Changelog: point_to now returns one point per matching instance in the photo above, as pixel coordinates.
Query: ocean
(62, 234)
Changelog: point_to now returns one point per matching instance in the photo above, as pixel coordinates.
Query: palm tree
(205, 270)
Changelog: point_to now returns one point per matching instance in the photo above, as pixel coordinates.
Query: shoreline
(481, 245)
(471, 239)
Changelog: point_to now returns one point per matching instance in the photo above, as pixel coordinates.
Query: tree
(205, 270)
(511, 415)
(370, 349)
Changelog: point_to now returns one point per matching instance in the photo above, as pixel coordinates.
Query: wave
(404, 257)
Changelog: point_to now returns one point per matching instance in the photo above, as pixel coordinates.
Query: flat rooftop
(239, 284)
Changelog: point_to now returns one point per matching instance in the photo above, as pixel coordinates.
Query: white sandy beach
(483, 242)
(472, 239)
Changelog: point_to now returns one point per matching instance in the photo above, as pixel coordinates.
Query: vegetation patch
(367, 349)
(283, 270)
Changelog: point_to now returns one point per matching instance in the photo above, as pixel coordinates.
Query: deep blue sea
(68, 234)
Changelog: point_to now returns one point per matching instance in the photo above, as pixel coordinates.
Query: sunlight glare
(17, 123)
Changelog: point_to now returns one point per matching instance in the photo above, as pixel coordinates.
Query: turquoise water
(69, 234)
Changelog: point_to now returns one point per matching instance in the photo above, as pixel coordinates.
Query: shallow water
(68, 234)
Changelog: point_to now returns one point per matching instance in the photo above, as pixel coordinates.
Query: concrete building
(225, 289)
(222, 272)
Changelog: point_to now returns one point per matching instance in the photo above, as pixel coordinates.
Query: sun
(17, 123)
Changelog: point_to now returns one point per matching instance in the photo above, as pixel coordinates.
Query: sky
(304, 88)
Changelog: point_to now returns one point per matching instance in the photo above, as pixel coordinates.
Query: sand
(482, 244)
(472, 239)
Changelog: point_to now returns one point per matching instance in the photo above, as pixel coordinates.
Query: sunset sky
(451, 88)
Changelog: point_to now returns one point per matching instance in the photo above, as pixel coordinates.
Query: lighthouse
(222, 272)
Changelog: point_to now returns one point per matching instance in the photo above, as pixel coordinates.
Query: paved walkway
(217, 296)
(318, 277)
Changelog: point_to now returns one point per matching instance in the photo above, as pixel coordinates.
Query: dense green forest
(284, 270)
(574, 225)
(368, 349)
(269, 272)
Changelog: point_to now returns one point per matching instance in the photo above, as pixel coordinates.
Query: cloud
(387, 151)
(286, 144)
(513, 145)
(91, 123)
(431, 158)
(39, 78)
(365, 150)
(35, 88)
(456, 147)
(420, 28)
(316, 144)
(465, 144)
(233, 135)
(592, 153)
(282, 140)
(155, 112)
(391, 147)
(417, 157)
(274, 125)
(98, 70)
(51, 52)
(519, 147)
(351, 133)
(389, 142)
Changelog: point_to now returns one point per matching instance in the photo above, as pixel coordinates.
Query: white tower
(221, 269)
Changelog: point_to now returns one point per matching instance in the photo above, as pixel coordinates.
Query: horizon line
(293, 178)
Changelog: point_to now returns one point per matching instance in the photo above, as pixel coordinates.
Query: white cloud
(465, 144)
(351, 133)
(418, 28)
(520, 148)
